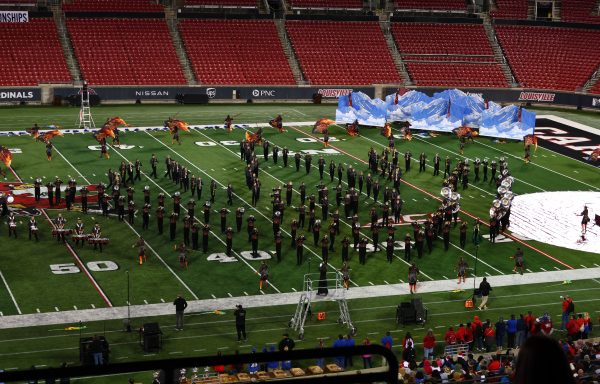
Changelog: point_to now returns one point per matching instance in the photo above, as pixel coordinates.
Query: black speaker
(151, 337)
(420, 314)
(192, 98)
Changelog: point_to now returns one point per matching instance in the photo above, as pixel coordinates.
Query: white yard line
(10, 293)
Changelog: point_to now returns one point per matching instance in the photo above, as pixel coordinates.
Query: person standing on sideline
(97, 349)
(567, 308)
(428, 344)
(180, 306)
(240, 322)
(484, 291)
(387, 342)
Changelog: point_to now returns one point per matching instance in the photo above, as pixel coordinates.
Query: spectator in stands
(428, 344)
(340, 343)
(253, 366)
(236, 367)
(272, 365)
(219, 368)
(320, 362)
(387, 342)
(409, 354)
(350, 342)
(511, 331)
(469, 336)
(477, 327)
(541, 360)
(521, 331)
(567, 308)
(367, 358)
(489, 335)
(460, 334)
(407, 340)
(500, 332)
(572, 329)
(450, 336)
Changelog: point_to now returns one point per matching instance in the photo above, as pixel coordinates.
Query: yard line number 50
(94, 266)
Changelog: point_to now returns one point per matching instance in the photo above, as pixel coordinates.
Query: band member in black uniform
(447, 164)
(250, 226)
(145, 216)
(278, 240)
(463, 234)
(57, 192)
(485, 169)
(297, 158)
(37, 189)
(84, 199)
(228, 241)
(389, 249)
(284, 154)
(205, 232)
(223, 213)
(96, 234)
(254, 238)
(153, 163)
(60, 226)
(307, 162)
(130, 211)
(493, 229)
(187, 224)
(419, 240)
(300, 249)
(325, 248)
(121, 208)
(213, 190)
(172, 226)
(375, 227)
(407, 159)
(49, 151)
(199, 186)
(376, 189)
(407, 247)
(191, 208)
(50, 193)
(206, 211)
(345, 249)
(316, 229)
(229, 194)
(239, 215)
(160, 214)
(362, 251)
(422, 162)
(413, 273)
(465, 177)
(129, 173)
(321, 165)
(195, 230)
(265, 146)
(275, 154)
(446, 235)
(436, 164)
(494, 168)
(293, 231)
(33, 228)
(356, 234)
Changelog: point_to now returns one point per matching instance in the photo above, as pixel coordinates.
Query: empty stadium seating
(221, 3)
(112, 5)
(457, 5)
(326, 3)
(448, 55)
(550, 58)
(31, 54)
(18, 2)
(348, 52)
(511, 9)
(125, 51)
(581, 11)
(235, 51)
(595, 89)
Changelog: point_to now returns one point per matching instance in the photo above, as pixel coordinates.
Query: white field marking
(38, 310)
(238, 196)
(596, 265)
(440, 326)
(342, 221)
(122, 357)
(213, 233)
(473, 256)
(149, 354)
(128, 303)
(402, 281)
(175, 353)
(56, 309)
(229, 294)
(262, 292)
(212, 169)
(75, 307)
(162, 300)
(11, 294)
(93, 306)
(471, 197)
(372, 333)
(528, 270)
(294, 289)
(386, 282)
(541, 166)
(297, 111)
(200, 350)
(575, 171)
(583, 265)
(223, 348)
(487, 273)
(213, 296)
(445, 277)
(245, 293)
(558, 269)
(371, 283)
(542, 269)
(145, 301)
(414, 199)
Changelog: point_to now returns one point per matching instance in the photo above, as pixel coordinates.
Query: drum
(61, 232)
(79, 237)
(98, 240)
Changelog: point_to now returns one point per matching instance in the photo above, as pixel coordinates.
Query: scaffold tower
(86, 120)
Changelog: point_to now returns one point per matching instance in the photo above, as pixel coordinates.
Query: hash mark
(558, 269)
(294, 289)
(528, 270)
(213, 296)
(262, 292)
(175, 352)
(56, 308)
(145, 301)
(223, 348)
(38, 310)
(386, 282)
(596, 265)
(162, 300)
(93, 306)
(487, 273)
(75, 307)
(371, 283)
(230, 295)
(245, 293)
(445, 277)
(414, 199)
(583, 265)
(402, 281)
(543, 269)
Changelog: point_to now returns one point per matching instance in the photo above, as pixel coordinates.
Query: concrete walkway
(100, 314)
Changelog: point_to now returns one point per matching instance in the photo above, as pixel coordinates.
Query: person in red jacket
(469, 336)
(460, 334)
(477, 328)
(450, 336)
(428, 344)
(572, 329)
(489, 336)
(530, 323)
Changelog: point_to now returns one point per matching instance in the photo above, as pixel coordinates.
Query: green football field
(46, 276)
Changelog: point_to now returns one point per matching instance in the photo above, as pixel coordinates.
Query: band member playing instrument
(527, 155)
(413, 272)
(141, 244)
(461, 270)
(183, 261)
(519, 262)
(104, 149)
(345, 271)
(96, 234)
(60, 228)
(33, 229)
(228, 121)
(79, 232)
(277, 123)
(12, 224)
(585, 219)
(263, 272)
(49, 151)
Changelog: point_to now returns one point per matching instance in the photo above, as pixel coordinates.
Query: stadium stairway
(172, 24)
(290, 298)
(592, 83)
(65, 42)
(389, 39)
(289, 52)
(500, 58)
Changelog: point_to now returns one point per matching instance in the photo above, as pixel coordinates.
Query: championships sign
(14, 17)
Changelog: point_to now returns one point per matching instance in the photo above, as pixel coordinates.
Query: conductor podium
(411, 312)
(151, 337)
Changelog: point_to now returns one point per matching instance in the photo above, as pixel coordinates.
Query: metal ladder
(85, 114)
(302, 309)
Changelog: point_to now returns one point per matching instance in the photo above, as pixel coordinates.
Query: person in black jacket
(240, 322)
(180, 306)
(484, 291)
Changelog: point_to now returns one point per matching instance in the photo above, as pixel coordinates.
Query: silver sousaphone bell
(502, 190)
(446, 192)
(454, 197)
(496, 203)
(492, 212)
(505, 202)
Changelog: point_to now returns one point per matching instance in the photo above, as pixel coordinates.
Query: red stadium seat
(32, 54)
(235, 52)
(113, 6)
(580, 11)
(326, 3)
(125, 51)
(511, 9)
(550, 58)
(327, 52)
(458, 5)
(221, 3)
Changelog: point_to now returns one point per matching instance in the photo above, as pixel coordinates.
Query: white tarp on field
(552, 218)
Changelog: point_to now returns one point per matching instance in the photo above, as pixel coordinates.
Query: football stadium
(218, 191)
